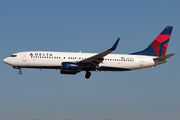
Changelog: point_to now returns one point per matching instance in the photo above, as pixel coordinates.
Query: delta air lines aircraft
(73, 63)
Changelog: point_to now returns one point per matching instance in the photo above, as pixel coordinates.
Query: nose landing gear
(15, 67)
(88, 74)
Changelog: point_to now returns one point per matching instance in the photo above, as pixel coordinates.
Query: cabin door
(24, 57)
(140, 61)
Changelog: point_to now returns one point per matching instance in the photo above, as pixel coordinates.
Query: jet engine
(69, 68)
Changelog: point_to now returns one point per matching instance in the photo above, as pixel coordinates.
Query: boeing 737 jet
(73, 63)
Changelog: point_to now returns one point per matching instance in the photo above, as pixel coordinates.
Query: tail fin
(159, 45)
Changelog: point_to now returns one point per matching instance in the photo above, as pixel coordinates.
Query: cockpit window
(13, 56)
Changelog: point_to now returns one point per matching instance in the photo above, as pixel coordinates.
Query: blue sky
(88, 26)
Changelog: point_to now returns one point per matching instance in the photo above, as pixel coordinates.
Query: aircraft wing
(95, 60)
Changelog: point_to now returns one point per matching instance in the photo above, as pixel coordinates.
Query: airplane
(72, 63)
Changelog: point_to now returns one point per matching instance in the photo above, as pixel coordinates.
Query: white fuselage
(53, 60)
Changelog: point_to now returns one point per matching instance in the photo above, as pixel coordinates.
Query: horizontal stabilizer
(164, 57)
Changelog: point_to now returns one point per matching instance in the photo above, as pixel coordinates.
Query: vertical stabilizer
(159, 46)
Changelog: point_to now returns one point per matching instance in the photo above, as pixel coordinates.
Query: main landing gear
(88, 74)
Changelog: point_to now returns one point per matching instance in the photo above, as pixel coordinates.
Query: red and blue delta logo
(41, 54)
(31, 54)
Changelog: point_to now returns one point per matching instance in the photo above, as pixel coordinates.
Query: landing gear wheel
(20, 72)
(88, 74)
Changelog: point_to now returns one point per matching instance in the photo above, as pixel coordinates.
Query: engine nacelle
(69, 68)
(68, 72)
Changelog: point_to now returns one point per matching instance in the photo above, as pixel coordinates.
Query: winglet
(115, 45)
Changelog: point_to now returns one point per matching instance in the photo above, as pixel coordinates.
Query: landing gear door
(24, 57)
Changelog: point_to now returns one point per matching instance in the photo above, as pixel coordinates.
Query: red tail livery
(159, 45)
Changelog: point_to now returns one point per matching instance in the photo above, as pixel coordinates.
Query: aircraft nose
(6, 60)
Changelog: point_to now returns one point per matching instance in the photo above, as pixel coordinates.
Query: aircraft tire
(20, 72)
(88, 74)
